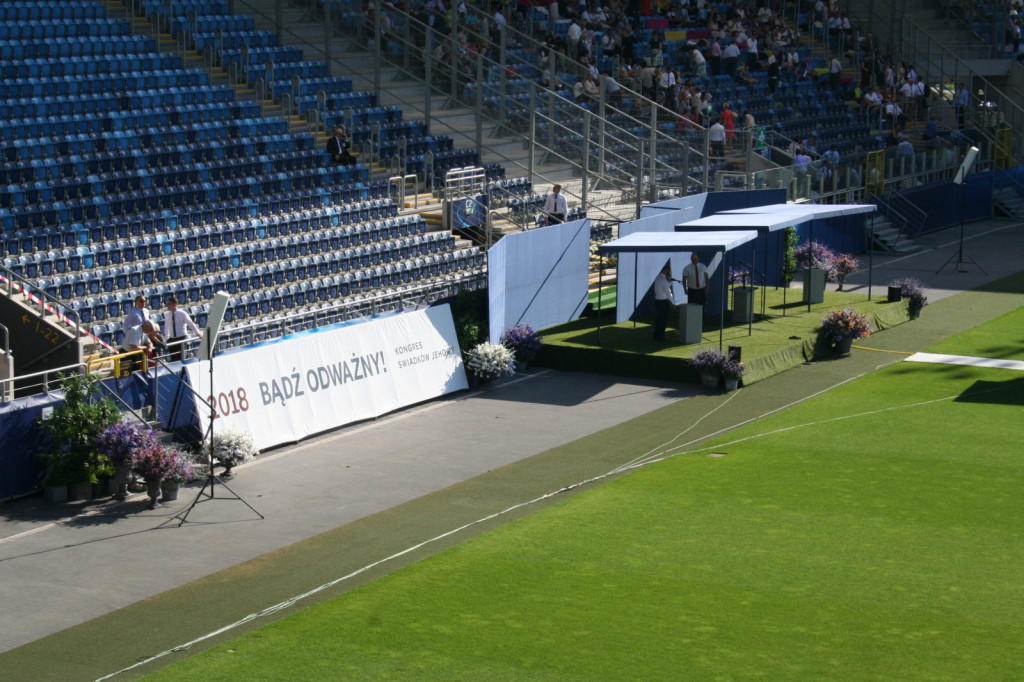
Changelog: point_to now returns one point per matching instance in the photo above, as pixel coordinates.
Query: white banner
(283, 392)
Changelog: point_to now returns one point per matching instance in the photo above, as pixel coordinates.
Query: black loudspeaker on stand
(960, 258)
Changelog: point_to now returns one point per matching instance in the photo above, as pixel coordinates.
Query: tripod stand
(960, 258)
(211, 478)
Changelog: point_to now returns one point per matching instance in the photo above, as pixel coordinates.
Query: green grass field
(873, 532)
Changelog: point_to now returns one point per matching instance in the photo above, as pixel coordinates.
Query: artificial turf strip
(871, 547)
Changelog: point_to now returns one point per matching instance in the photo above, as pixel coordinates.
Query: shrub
(913, 290)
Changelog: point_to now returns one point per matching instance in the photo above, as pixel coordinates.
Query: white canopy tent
(764, 218)
(672, 242)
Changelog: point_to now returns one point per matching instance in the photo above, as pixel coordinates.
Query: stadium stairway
(1008, 202)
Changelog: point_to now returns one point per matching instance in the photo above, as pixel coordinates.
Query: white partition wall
(538, 277)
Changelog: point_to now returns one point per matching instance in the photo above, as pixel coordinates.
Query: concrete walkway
(62, 566)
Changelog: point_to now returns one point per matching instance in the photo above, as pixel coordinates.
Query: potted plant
(709, 363)
(68, 433)
(524, 343)
(816, 259)
(841, 327)
(119, 443)
(232, 447)
(732, 371)
(488, 361)
(184, 471)
(911, 289)
(154, 464)
(843, 265)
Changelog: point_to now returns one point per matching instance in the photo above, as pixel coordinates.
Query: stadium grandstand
(157, 149)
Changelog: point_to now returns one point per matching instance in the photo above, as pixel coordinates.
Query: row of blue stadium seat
(33, 107)
(260, 55)
(235, 244)
(63, 10)
(233, 39)
(231, 229)
(55, 67)
(56, 213)
(75, 47)
(326, 252)
(39, 29)
(69, 86)
(143, 120)
(385, 132)
(81, 156)
(261, 280)
(264, 304)
(211, 23)
(182, 7)
(345, 199)
(285, 69)
(136, 148)
(76, 185)
(276, 297)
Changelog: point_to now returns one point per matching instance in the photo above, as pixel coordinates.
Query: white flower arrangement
(488, 361)
(234, 447)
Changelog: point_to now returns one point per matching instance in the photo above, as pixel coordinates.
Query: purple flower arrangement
(709, 361)
(845, 324)
(814, 255)
(121, 441)
(523, 341)
(738, 276)
(913, 290)
(155, 463)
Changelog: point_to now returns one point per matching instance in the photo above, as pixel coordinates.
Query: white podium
(691, 323)
(743, 304)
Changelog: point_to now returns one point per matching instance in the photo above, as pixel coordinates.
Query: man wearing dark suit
(338, 148)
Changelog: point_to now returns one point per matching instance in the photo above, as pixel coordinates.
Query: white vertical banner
(282, 392)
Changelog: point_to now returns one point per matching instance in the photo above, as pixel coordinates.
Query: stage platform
(787, 335)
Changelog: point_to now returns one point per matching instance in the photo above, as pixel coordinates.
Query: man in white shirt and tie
(177, 324)
(555, 206)
(662, 301)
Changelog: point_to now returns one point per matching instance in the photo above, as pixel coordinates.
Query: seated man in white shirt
(137, 339)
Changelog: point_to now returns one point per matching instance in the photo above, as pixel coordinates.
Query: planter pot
(814, 285)
(170, 491)
(55, 493)
(119, 483)
(844, 346)
(709, 379)
(153, 490)
(79, 491)
(521, 366)
(731, 383)
(895, 294)
(100, 489)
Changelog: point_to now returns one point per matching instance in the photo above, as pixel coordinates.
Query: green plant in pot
(68, 433)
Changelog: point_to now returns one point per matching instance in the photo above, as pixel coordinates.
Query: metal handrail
(45, 384)
(43, 299)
